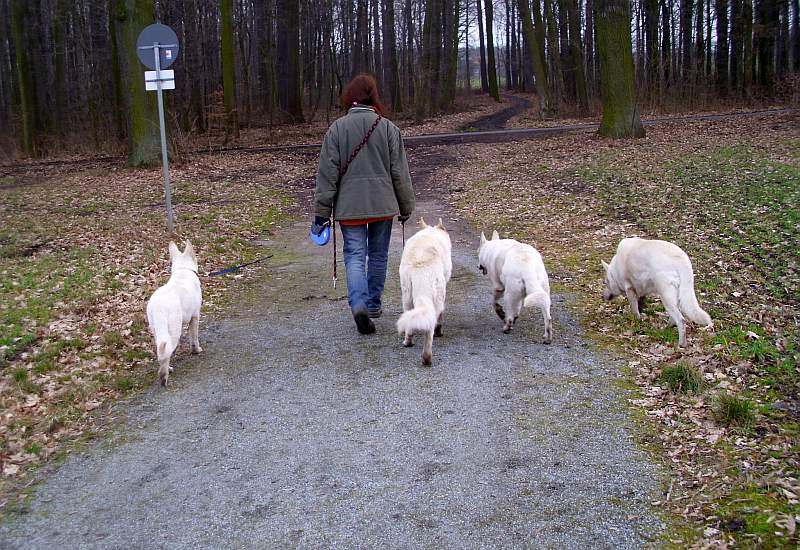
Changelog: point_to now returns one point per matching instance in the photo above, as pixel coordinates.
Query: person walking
(363, 182)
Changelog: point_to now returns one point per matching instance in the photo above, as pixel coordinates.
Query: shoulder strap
(343, 168)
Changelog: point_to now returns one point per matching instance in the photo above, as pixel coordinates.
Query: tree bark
(747, 39)
(795, 35)
(27, 99)
(620, 112)
(143, 137)
(556, 81)
(390, 66)
(288, 58)
(579, 77)
(686, 39)
(484, 75)
(228, 70)
(651, 41)
(546, 104)
(491, 69)
(721, 54)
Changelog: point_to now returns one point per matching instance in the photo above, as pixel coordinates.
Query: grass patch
(734, 411)
(682, 378)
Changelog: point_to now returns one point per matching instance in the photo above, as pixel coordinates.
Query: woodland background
(70, 80)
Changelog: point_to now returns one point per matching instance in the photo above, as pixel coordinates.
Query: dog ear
(440, 225)
(495, 235)
(422, 223)
(605, 266)
(173, 250)
(188, 250)
(483, 238)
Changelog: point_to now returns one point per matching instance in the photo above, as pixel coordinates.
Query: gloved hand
(319, 224)
(403, 219)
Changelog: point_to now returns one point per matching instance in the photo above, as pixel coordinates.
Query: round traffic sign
(167, 40)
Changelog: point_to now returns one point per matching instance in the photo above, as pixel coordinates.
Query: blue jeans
(366, 254)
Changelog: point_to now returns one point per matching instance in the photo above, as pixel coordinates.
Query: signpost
(157, 48)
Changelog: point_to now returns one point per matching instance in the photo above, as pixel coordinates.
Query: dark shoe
(375, 313)
(363, 322)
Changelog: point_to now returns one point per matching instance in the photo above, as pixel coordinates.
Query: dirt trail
(498, 120)
(291, 430)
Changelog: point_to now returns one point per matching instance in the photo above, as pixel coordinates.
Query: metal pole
(164, 157)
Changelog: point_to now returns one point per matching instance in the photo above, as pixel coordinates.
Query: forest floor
(78, 261)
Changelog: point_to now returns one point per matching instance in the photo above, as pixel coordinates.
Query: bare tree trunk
(546, 104)
(484, 76)
(228, 71)
(377, 48)
(556, 82)
(27, 102)
(700, 49)
(491, 70)
(620, 112)
(721, 57)
(143, 137)
(288, 61)
(747, 39)
(795, 35)
(686, 40)
(579, 77)
(390, 67)
(651, 41)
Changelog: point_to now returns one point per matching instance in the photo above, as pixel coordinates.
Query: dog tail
(161, 349)
(687, 300)
(420, 319)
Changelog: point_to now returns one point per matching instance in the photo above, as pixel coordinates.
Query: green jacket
(377, 183)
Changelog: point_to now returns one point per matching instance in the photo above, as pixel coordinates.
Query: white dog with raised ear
(643, 267)
(174, 304)
(518, 278)
(425, 269)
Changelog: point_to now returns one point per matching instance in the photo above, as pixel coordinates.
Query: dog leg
(548, 326)
(633, 300)
(427, 351)
(642, 303)
(669, 297)
(194, 329)
(163, 371)
(498, 309)
(408, 340)
(437, 332)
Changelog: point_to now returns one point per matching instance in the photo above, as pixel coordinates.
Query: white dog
(425, 269)
(518, 278)
(173, 305)
(644, 267)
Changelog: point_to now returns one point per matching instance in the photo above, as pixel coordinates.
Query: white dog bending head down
(518, 278)
(644, 267)
(425, 269)
(174, 304)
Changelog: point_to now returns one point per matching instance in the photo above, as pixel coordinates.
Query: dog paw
(426, 359)
(408, 343)
(197, 349)
(507, 330)
(500, 312)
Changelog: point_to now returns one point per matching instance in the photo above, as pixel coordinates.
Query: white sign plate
(152, 85)
(167, 74)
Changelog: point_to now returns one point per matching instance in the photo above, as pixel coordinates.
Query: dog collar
(189, 268)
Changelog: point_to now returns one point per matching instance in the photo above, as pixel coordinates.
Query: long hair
(363, 90)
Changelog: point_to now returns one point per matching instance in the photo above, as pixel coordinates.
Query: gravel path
(291, 430)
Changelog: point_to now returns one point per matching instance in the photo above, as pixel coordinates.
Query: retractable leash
(342, 171)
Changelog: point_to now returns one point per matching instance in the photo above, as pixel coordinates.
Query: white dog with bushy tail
(518, 278)
(425, 269)
(174, 304)
(643, 267)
